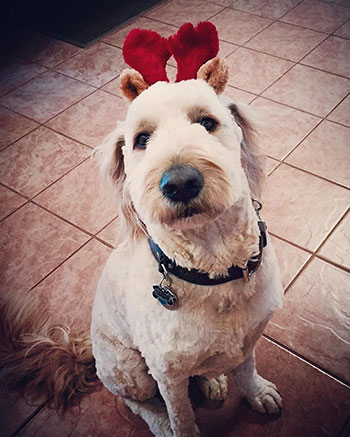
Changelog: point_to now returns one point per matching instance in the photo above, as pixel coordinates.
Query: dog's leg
(154, 413)
(122, 370)
(181, 415)
(214, 389)
(260, 393)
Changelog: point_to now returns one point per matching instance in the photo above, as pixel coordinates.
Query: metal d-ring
(258, 208)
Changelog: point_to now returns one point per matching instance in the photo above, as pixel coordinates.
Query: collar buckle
(246, 273)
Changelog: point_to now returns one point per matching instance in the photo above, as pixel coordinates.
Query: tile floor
(290, 60)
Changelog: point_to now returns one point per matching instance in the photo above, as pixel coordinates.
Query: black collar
(195, 276)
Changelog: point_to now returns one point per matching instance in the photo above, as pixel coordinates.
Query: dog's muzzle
(181, 183)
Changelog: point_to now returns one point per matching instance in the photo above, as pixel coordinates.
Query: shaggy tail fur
(41, 360)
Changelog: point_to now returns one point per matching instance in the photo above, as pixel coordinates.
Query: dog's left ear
(215, 72)
(132, 83)
(253, 161)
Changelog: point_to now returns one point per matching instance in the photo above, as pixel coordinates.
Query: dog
(186, 167)
(194, 282)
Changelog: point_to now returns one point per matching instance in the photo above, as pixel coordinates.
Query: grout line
(316, 175)
(314, 254)
(320, 69)
(26, 200)
(289, 106)
(327, 237)
(59, 265)
(32, 198)
(69, 107)
(333, 263)
(34, 202)
(309, 251)
(332, 3)
(335, 107)
(68, 137)
(104, 242)
(217, 13)
(262, 16)
(20, 138)
(28, 419)
(306, 360)
(299, 273)
(85, 231)
(26, 81)
(60, 178)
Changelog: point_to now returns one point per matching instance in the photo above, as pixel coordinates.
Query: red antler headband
(147, 52)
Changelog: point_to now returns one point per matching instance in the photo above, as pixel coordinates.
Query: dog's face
(182, 155)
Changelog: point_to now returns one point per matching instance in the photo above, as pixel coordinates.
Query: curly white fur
(140, 346)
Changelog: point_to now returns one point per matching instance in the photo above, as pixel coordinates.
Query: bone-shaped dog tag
(165, 296)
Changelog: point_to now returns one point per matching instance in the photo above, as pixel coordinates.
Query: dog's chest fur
(210, 332)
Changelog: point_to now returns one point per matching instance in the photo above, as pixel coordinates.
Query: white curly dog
(186, 168)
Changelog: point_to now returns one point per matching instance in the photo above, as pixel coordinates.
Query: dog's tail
(41, 360)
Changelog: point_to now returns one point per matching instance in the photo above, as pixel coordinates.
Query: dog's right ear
(132, 83)
(110, 157)
(111, 161)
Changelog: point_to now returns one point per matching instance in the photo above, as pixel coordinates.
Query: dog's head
(182, 156)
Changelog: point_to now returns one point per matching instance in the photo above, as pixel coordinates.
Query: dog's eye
(141, 141)
(208, 123)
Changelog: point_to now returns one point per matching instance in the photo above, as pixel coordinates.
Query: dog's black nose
(181, 183)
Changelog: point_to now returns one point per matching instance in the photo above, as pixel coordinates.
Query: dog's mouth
(190, 212)
(189, 218)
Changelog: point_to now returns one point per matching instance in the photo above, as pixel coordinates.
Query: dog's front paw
(265, 397)
(214, 389)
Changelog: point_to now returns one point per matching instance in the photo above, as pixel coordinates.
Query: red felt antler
(193, 47)
(147, 52)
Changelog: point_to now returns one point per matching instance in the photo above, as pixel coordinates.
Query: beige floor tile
(14, 72)
(67, 294)
(253, 71)
(178, 12)
(117, 38)
(9, 201)
(238, 96)
(13, 126)
(34, 242)
(245, 25)
(82, 197)
(332, 55)
(290, 259)
(341, 113)
(329, 142)
(337, 247)
(112, 233)
(316, 15)
(301, 88)
(282, 127)
(45, 96)
(14, 411)
(39, 159)
(96, 65)
(90, 120)
(270, 165)
(46, 51)
(344, 30)
(302, 208)
(315, 316)
(286, 41)
(266, 8)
